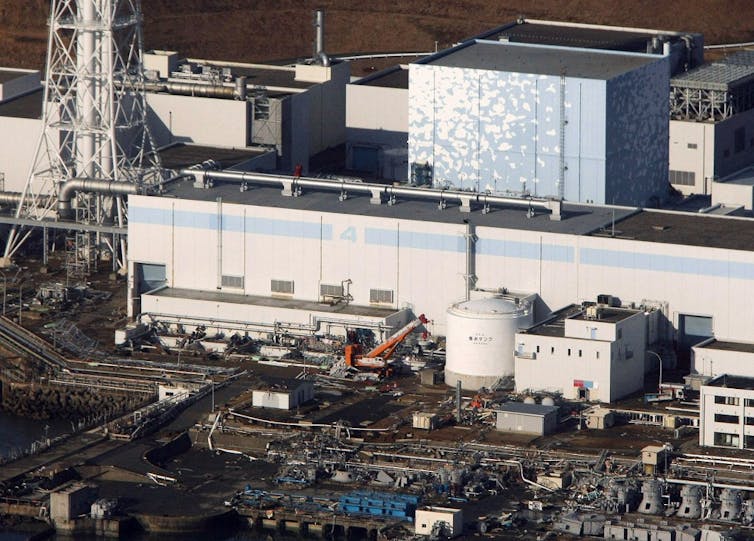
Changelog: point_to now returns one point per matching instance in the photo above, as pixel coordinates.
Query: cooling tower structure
(480, 340)
(95, 147)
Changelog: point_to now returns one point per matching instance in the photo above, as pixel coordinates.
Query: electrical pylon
(94, 122)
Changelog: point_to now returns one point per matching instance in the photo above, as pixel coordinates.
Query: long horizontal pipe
(555, 206)
(110, 187)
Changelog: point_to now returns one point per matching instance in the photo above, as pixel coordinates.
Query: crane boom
(385, 349)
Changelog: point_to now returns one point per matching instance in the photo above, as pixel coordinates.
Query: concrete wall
(309, 248)
(708, 150)
(203, 121)
(18, 150)
(327, 103)
(692, 150)
(424, 262)
(545, 365)
(636, 136)
(714, 362)
(25, 81)
(377, 116)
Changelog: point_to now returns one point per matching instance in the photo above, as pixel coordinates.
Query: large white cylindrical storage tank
(480, 340)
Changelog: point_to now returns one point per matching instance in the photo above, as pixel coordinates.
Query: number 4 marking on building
(349, 234)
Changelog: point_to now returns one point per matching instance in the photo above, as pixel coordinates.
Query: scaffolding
(712, 92)
(94, 120)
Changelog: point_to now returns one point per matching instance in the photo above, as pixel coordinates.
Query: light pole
(659, 385)
(5, 283)
(20, 301)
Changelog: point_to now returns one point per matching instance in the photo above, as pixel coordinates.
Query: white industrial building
(427, 517)
(551, 121)
(269, 261)
(298, 110)
(711, 141)
(595, 353)
(293, 111)
(713, 357)
(726, 412)
(524, 418)
(285, 394)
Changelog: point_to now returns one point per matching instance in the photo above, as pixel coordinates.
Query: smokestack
(319, 48)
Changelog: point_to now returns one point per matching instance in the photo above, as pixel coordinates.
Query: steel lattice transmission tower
(95, 140)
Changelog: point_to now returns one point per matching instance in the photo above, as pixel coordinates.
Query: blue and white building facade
(217, 248)
(586, 125)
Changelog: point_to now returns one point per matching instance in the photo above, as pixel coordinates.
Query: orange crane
(377, 358)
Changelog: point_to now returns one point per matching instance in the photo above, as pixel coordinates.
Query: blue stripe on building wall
(412, 239)
(234, 224)
(667, 263)
(525, 250)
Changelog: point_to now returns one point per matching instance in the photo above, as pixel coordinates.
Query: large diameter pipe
(553, 205)
(108, 187)
(319, 49)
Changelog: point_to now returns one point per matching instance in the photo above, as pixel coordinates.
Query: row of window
(580, 352)
(286, 287)
(724, 439)
(734, 401)
(684, 178)
(732, 419)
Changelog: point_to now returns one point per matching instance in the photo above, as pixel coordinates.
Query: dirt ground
(255, 30)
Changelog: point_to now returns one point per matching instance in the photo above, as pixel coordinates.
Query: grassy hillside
(251, 30)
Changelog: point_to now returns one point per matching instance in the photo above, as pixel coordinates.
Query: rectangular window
(261, 108)
(579, 353)
(569, 352)
(727, 400)
(726, 440)
(722, 418)
(330, 290)
(282, 286)
(749, 402)
(232, 281)
(739, 139)
(684, 178)
(749, 421)
(552, 350)
(381, 296)
(537, 349)
(691, 145)
(598, 354)
(620, 334)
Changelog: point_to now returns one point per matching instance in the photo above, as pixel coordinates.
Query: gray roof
(8, 75)
(290, 304)
(527, 409)
(393, 77)
(566, 35)
(726, 345)
(715, 76)
(182, 155)
(732, 382)
(26, 106)
(745, 58)
(577, 219)
(538, 59)
(690, 229)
